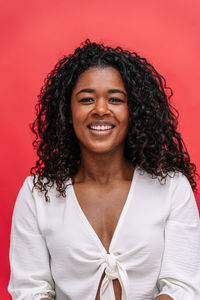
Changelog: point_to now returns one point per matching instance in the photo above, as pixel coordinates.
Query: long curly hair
(152, 142)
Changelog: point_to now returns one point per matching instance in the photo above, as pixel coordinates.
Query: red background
(35, 34)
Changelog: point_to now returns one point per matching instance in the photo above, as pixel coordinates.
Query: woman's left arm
(179, 276)
(163, 297)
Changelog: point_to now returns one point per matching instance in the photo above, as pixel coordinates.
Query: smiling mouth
(101, 130)
(101, 127)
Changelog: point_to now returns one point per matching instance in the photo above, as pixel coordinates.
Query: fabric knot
(114, 270)
(111, 266)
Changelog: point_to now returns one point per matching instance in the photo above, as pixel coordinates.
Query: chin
(102, 149)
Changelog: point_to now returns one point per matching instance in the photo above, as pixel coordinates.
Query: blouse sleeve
(30, 277)
(180, 270)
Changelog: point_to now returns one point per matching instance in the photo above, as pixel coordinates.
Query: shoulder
(172, 179)
(179, 181)
(176, 190)
(175, 184)
(32, 191)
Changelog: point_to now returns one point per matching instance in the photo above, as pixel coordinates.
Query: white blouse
(155, 249)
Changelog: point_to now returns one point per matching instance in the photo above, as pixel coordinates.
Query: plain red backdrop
(35, 34)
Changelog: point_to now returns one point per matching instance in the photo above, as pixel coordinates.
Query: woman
(120, 220)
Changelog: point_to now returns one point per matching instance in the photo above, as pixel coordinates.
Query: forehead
(107, 77)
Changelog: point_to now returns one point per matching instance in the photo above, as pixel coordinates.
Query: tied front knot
(113, 270)
(111, 266)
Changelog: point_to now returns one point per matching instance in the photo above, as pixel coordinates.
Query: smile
(101, 127)
(102, 130)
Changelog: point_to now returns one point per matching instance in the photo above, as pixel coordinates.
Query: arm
(180, 270)
(162, 297)
(29, 256)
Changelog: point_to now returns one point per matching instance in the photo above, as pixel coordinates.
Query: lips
(101, 125)
(101, 128)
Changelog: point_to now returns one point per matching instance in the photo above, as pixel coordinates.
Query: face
(99, 110)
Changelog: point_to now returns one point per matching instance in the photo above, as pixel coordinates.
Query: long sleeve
(30, 277)
(180, 271)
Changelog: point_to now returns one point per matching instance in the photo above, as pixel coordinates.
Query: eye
(116, 100)
(86, 100)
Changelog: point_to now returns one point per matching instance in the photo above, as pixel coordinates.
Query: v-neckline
(123, 211)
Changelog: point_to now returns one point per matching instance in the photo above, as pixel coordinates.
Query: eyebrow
(85, 91)
(111, 91)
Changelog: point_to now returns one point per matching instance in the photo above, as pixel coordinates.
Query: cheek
(78, 122)
(124, 117)
(78, 116)
(124, 123)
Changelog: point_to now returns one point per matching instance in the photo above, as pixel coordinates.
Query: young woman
(109, 212)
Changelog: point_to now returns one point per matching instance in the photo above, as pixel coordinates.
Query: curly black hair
(152, 142)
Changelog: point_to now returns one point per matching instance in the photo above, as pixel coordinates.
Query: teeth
(100, 127)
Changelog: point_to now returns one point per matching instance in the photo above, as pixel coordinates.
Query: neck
(103, 168)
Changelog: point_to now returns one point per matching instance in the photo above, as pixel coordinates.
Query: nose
(101, 107)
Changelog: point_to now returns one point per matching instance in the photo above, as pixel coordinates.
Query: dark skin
(95, 185)
(104, 177)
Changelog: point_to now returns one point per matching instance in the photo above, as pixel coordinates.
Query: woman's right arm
(180, 268)
(30, 277)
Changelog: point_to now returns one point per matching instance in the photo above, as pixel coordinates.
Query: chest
(91, 217)
(102, 206)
